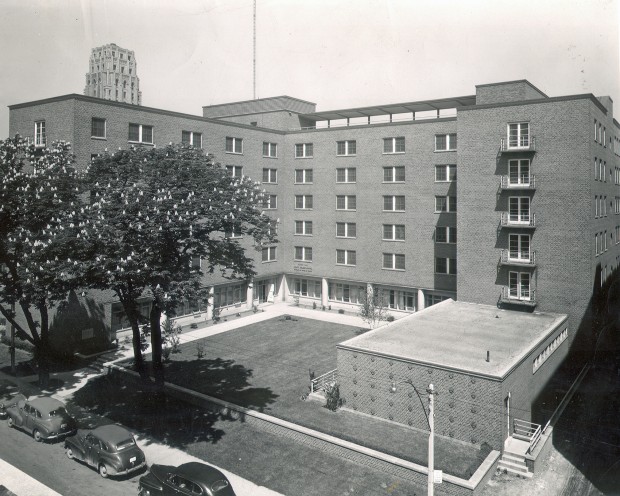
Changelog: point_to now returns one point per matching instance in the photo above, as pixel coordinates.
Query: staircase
(513, 458)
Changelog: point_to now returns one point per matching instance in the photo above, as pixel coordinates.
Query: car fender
(16, 416)
(76, 447)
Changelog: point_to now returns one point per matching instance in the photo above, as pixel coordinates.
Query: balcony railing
(521, 298)
(319, 383)
(527, 182)
(528, 259)
(508, 145)
(527, 431)
(528, 221)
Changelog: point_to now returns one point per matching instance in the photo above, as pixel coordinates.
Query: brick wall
(513, 91)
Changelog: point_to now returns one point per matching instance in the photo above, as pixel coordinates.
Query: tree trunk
(156, 344)
(130, 311)
(43, 360)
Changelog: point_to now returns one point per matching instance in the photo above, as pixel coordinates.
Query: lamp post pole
(431, 439)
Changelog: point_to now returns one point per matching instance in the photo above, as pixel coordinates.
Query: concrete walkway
(21, 484)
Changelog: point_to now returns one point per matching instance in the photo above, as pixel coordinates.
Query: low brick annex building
(478, 396)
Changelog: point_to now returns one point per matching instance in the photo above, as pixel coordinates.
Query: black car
(188, 479)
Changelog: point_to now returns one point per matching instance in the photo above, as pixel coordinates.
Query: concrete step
(526, 474)
(516, 459)
(513, 467)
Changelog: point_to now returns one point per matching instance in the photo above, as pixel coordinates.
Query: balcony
(522, 144)
(525, 297)
(527, 221)
(519, 183)
(518, 259)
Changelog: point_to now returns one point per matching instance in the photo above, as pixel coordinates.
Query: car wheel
(37, 436)
(69, 453)
(103, 471)
(10, 422)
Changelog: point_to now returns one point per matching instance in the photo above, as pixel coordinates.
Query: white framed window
(303, 176)
(444, 265)
(235, 233)
(303, 228)
(346, 229)
(445, 204)
(519, 247)
(519, 172)
(398, 299)
(346, 202)
(445, 234)
(40, 138)
(393, 203)
(605, 241)
(234, 145)
(393, 232)
(270, 202)
(98, 128)
(346, 175)
(617, 205)
(394, 174)
(303, 202)
(519, 209)
(191, 138)
(303, 254)
(270, 176)
(595, 130)
(519, 285)
(347, 147)
(270, 149)
(394, 145)
(519, 135)
(445, 173)
(393, 261)
(306, 287)
(269, 254)
(304, 150)
(346, 257)
(234, 170)
(445, 142)
(596, 248)
(596, 173)
(346, 293)
(140, 133)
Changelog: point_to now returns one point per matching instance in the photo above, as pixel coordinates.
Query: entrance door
(507, 405)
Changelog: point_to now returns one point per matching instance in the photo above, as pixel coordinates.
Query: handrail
(506, 258)
(505, 221)
(525, 146)
(319, 383)
(528, 431)
(518, 299)
(528, 182)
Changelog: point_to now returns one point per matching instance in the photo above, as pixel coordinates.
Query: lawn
(265, 366)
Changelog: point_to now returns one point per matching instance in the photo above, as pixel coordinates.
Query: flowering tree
(38, 202)
(153, 214)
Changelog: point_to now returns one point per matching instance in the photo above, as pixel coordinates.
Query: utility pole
(431, 439)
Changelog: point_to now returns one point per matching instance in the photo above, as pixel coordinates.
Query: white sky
(337, 53)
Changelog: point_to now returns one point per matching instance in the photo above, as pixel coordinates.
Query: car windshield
(59, 412)
(125, 444)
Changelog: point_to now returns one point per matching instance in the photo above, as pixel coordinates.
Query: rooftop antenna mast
(254, 59)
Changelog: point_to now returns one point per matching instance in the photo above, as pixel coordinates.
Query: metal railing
(520, 221)
(319, 383)
(524, 298)
(522, 145)
(521, 258)
(527, 431)
(523, 182)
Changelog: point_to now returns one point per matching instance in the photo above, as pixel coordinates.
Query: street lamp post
(430, 419)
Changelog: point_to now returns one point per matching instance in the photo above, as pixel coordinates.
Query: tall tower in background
(112, 75)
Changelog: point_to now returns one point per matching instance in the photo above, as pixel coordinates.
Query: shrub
(340, 310)
(314, 305)
(390, 318)
(332, 396)
(216, 315)
(171, 338)
(200, 350)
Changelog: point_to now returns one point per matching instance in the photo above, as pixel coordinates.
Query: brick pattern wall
(506, 92)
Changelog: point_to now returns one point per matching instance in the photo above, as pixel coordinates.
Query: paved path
(21, 484)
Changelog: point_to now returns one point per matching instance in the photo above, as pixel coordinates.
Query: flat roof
(393, 108)
(456, 335)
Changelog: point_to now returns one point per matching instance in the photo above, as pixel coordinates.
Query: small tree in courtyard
(373, 306)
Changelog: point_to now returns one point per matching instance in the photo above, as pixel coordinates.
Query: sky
(336, 53)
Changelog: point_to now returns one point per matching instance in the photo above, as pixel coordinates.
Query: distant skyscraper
(112, 75)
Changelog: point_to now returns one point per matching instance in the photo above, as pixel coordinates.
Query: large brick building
(371, 196)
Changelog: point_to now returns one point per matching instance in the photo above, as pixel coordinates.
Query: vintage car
(7, 400)
(191, 478)
(44, 417)
(111, 449)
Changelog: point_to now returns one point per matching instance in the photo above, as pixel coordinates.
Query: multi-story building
(112, 75)
(523, 211)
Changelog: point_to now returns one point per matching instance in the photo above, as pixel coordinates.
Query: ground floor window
(306, 287)
(348, 293)
(119, 319)
(398, 299)
(233, 294)
(187, 307)
(432, 299)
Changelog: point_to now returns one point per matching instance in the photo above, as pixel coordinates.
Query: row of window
(600, 206)
(443, 142)
(391, 203)
(396, 174)
(600, 133)
(391, 261)
(600, 170)
(600, 241)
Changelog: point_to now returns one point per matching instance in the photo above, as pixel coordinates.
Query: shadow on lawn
(223, 379)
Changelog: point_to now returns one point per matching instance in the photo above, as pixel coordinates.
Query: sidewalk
(22, 484)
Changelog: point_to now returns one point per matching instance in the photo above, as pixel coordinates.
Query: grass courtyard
(265, 367)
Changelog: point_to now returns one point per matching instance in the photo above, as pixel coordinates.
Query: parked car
(7, 400)
(44, 417)
(190, 478)
(111, 449)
